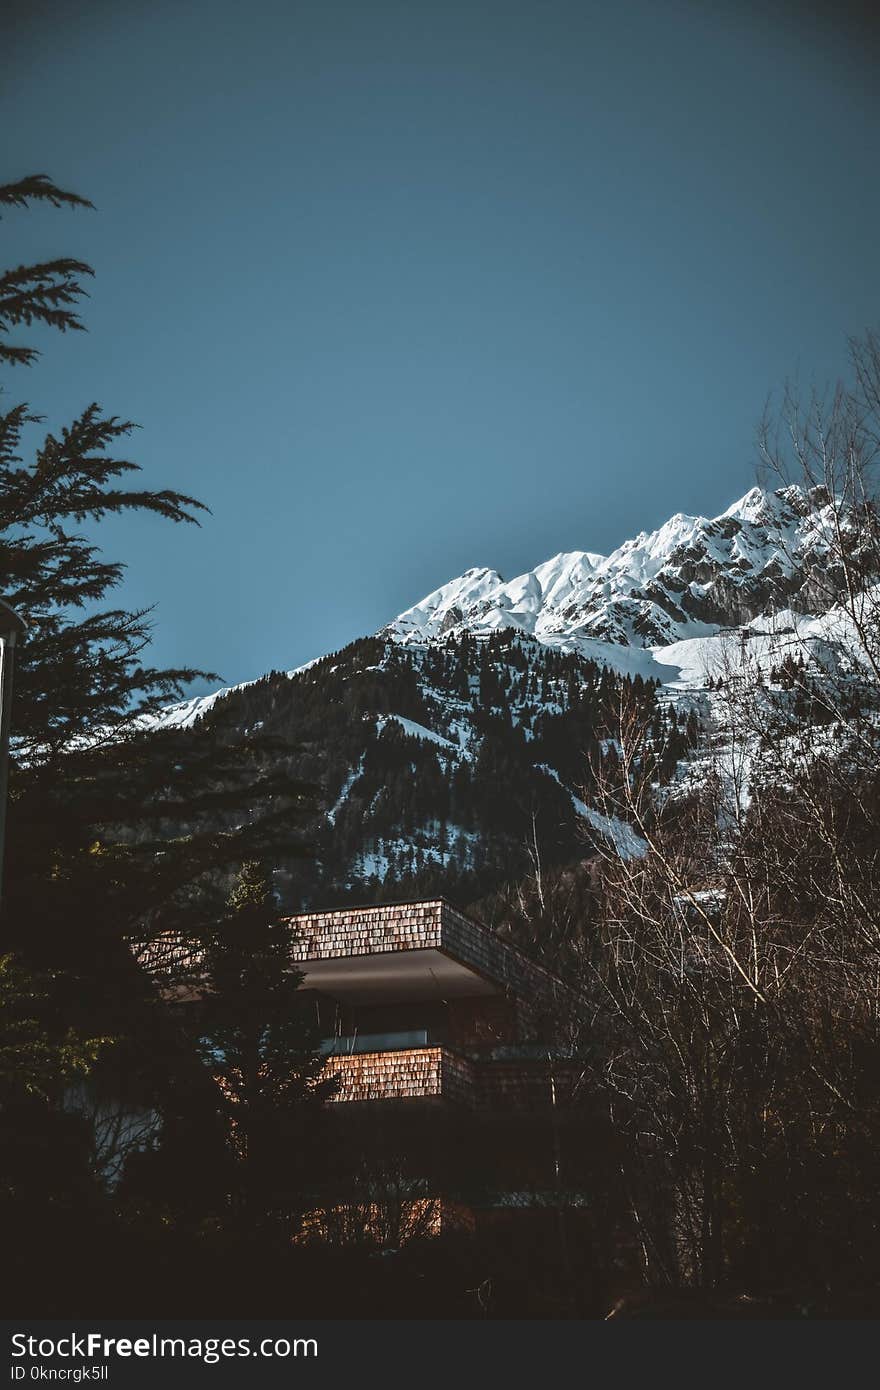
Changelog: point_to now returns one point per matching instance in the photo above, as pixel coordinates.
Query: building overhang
(424, 949)
(391, 976)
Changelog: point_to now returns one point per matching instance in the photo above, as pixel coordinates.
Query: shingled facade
(418, 1002)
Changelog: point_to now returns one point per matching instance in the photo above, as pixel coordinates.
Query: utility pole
(11, 627)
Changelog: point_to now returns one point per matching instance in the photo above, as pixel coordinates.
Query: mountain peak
(764, 506)
(689, 575)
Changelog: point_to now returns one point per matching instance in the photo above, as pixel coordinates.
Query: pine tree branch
(39, 188)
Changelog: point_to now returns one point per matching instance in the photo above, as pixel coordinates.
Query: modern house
(464, 1093)
(418, 1002)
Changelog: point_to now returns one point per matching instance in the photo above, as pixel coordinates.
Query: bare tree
(828, 443)
(734, 971)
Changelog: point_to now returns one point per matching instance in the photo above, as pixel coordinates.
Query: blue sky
(401, 288)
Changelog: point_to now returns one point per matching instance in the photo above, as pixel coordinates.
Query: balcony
(404, 1073)
(523, 1080)
(419, 951)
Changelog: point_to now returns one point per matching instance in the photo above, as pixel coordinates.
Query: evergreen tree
(118, 833)
(112, 825)
(34, 1064)
(45, 293)
(262, 1049)
(44, 1149)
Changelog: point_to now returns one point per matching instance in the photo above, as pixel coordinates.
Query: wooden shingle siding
(436, 1073)
(408, 1074)
(534, 989)
(363, 931)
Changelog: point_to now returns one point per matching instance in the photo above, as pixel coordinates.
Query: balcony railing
(414, 1073)
(527, 1081)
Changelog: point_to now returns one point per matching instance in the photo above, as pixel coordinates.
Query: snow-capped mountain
(766, 552)
(669, 604)
(440, 743)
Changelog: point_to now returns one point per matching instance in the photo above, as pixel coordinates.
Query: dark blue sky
(401, 288)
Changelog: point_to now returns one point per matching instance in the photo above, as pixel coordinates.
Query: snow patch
(627, 843)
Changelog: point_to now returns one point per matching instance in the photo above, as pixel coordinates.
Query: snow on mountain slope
(628, 844)
(185, 714)
(676, 604)
(686, 580)
(824, 642)
(414, 730)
